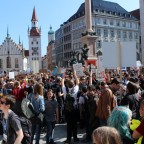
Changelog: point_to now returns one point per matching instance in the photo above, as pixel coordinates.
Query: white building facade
(11, 55)
(34, 35)
(142, 27)
(110, 21)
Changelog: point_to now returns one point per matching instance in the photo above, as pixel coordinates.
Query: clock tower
(34, 36)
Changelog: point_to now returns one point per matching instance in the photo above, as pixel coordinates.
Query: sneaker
(67, 142)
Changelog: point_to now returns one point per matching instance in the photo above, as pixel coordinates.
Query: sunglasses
(1, 102)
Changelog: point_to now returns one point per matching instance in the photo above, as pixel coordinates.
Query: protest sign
(79, 69)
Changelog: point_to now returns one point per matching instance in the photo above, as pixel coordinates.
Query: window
(112, 33)
(130, 35)
(31, 42)
(105, 33)
(37, 42)
(118, 23)
(8, 61)
(99, 32)
(118, 34)
(124, 34)
(16, 63)
(99, 44)
(130, 24)
(104, 21)
(1, 63)
(98, 21)
(136, 35)
(111, 22)
(124, 24)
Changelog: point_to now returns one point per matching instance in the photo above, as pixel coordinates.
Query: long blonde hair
(106, 135)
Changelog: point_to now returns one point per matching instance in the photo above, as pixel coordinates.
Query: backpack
(69, 101)
(27, 107)
(26, 128)
(135, 108)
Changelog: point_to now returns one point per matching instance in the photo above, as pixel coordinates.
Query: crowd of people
(109, 110)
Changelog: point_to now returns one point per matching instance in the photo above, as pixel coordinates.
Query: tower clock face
(35, 51)
(34, 39)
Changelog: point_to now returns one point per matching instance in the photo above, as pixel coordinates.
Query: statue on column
(84, 54)
(74, 59)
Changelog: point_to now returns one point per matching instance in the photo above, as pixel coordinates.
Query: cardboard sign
(79, 69)
(63, 71)
(111, 55)
(11, 75)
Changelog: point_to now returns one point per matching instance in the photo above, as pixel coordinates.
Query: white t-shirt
(81, 100)
(75, 91)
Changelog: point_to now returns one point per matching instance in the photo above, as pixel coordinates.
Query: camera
(69, 72)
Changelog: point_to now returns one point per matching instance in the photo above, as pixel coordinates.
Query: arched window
(16, 63)
(8, 60)
(1, 63)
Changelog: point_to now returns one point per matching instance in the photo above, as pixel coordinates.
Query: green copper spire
(51, 31)
(7, 32)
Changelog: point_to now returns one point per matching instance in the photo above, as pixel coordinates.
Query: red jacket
(18, 93)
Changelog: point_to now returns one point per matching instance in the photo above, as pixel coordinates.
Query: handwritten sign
(79, 69)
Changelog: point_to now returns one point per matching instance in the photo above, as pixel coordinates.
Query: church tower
(50, 35)
(34, 35)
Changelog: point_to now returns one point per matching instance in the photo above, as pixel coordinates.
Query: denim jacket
(38, 104)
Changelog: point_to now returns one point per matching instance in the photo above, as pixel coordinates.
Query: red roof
(34, 31)
(136, 13)
(34, 16)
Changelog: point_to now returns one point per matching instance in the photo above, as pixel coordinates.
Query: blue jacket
(38, 104)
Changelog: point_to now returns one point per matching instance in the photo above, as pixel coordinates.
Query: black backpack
(26, 128)
(69, 101)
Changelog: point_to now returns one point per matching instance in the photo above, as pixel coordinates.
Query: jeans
(50, 130)
(71, 120)
(36, 128)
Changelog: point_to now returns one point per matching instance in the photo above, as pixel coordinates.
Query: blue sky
(16, 14)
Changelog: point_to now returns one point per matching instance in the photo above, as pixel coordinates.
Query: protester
(12, 129)
(51, 115)
(19, 94)
(91, 121)
(60, 99)
(139, 131)
(39, 107)
(120, 119)
(131, 99)
(106, 135)
(71, 107)
(107, 102)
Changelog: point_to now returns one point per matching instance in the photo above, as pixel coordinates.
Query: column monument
(89, 36)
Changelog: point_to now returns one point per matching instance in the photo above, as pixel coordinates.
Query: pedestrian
(139, 131)
(51, 115)
(37, 101)
(120, 119)
(106, 135)
(71, 106)
(12, 130)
